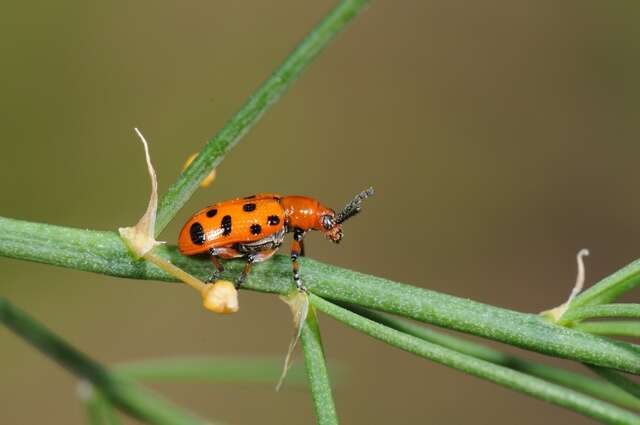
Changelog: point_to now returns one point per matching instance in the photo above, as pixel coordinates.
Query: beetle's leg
(245, 272)
(302, 248)
(296, 249)
(219, 268)
(225, 253)
(254, 258)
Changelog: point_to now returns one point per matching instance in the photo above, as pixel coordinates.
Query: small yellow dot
(207, 180)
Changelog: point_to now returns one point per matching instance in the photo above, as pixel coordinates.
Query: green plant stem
(606, 310)
(618, 380)
(609, 288)
(498, 374)
(614, 328)
(104, 252)
(100, 411)
(317, 372)
(603, 390)
(257, 104)
(208, 369)
(94, 414)
(122, 392)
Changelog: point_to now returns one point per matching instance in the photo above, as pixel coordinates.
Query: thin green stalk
(208, 369)
(94, 410)
(104, 252)
(509, 378)
(603, 390)
(613, 328)
(317, 372)
(94, 415)
(610, 288)
(606, 310)
(619, 380)
(109, 412)
(122, 392)
(100, 411)
(257, 104)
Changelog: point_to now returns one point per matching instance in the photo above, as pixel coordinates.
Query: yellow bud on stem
(220, 297)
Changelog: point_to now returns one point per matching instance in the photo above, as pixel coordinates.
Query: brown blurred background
(501, 137)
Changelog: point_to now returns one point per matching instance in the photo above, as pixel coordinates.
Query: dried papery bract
(556, 313)
(298, 302)
(140, 239)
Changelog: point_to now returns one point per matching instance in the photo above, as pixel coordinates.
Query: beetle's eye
(327, 222)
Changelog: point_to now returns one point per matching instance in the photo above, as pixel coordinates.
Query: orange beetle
(254, 227)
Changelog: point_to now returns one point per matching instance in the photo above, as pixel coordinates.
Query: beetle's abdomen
(230, 222)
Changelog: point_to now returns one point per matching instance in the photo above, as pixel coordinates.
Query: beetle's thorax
(304, 213)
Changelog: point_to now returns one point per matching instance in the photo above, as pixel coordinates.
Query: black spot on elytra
(249, 197)
(197, 233)
(249, 207)
(225, 225)
(212, 213)
(273, 220)
(256, 229)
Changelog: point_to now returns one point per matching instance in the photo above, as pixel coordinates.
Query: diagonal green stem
(104, 252)
(605, 310)
(317, 371)
(610, 288)
(100, 411)
(509, 378)
(257, 104)
(618, 380)
(603, 390)
(614, 328)
(94, 412)
(120, 391)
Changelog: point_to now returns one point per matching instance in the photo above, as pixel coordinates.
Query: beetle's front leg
(255, 257)
(296, 251)
(219, 268)
(245, 272)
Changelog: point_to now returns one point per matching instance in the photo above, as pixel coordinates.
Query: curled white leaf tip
(141, 237)
(577, 288)
(557, 312)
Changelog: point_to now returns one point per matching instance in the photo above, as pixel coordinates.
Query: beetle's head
(331, 229)
(332, 222)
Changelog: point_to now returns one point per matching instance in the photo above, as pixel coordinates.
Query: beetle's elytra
(254, 227)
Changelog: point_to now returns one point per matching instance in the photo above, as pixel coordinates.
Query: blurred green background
(501, 137)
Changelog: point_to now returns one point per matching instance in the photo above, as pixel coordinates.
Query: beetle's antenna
(354, 206)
